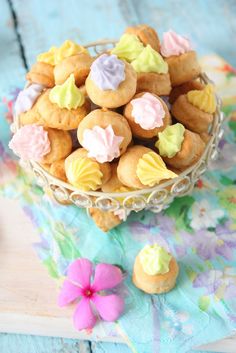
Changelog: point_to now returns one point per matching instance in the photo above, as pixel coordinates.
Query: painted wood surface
(29, 27)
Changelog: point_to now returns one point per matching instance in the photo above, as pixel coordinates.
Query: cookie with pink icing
(27, 97)
(39, 144)
(181, 58)
(111, 82)
(147, 114)
(104, 134)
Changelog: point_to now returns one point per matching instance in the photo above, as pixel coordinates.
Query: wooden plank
(28, 296)
(12, 67)
(43, 24)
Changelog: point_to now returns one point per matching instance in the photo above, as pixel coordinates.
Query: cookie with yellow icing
(147, 114)
(184, 88)
(155, 270)
(195, 109)
(41, 73)
(152, 72)
(179, 147)
(86, 173)
(62, 107)
(140, 167)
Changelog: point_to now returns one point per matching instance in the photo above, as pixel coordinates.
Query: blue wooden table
(30, 27)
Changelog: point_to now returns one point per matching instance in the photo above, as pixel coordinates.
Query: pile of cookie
(127, 119)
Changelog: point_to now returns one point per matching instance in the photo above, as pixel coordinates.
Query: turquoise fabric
(199, 229)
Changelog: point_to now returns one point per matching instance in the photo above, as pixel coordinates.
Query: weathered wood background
(28, 27)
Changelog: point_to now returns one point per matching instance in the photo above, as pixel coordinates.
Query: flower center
(88, 292)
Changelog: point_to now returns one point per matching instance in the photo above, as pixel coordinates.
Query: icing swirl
(107, 72)
(174, 44)
(148, 111)
(128, 48)
(30, 142)
(68, 48)
(48, 57)
(26, 98)
(151, 169)
(55, 55)
(150, 60)
(67, 95)
(102, 144)
(154, 260)
(170, 140)
(84, 174)
(205, 99)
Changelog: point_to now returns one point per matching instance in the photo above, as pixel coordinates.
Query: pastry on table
(40, 144)
(128, 47)
(146, 34)
(179, 147)
(152, 72)
(78, 65)
(184, 88)
(111, 81)
(140, 167)
(181, 58)
(147, 114)
(195, 109)
(42, 74)
(86, 173)
(62, 107)
(104, 220)
(105, 134)
(155, 270)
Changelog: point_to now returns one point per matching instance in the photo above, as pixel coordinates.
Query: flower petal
(69, 292)
(84, 317)
(80, 272)
(110, 307)
(106, 277)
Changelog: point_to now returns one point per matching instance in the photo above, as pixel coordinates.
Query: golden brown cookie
(184, 88)
(191, 150)
(79, 65)
(146, 34)
(52, 115)
(137, 130)
(60, 145)
(152, 82)
(183, 68)
(113, 98)
(193, 118)
(104, 220)
(104, 118)
(57, 169)
(42, 74)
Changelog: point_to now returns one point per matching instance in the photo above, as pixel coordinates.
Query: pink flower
(93, 303)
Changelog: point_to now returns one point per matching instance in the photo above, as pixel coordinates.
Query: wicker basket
(155, 198)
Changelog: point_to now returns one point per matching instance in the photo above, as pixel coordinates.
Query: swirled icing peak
(68, 48)
(170, 140)
(154, 260)
(27, 97)
(48, 57)
(67, 95)
(128, 48)
(174, 44)
(30, 142)
(151, 169)
(148, 111)
(107, 72)
(149, 60)
(102, 144)
(84, 173)
(204, 99)
(55, 55)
